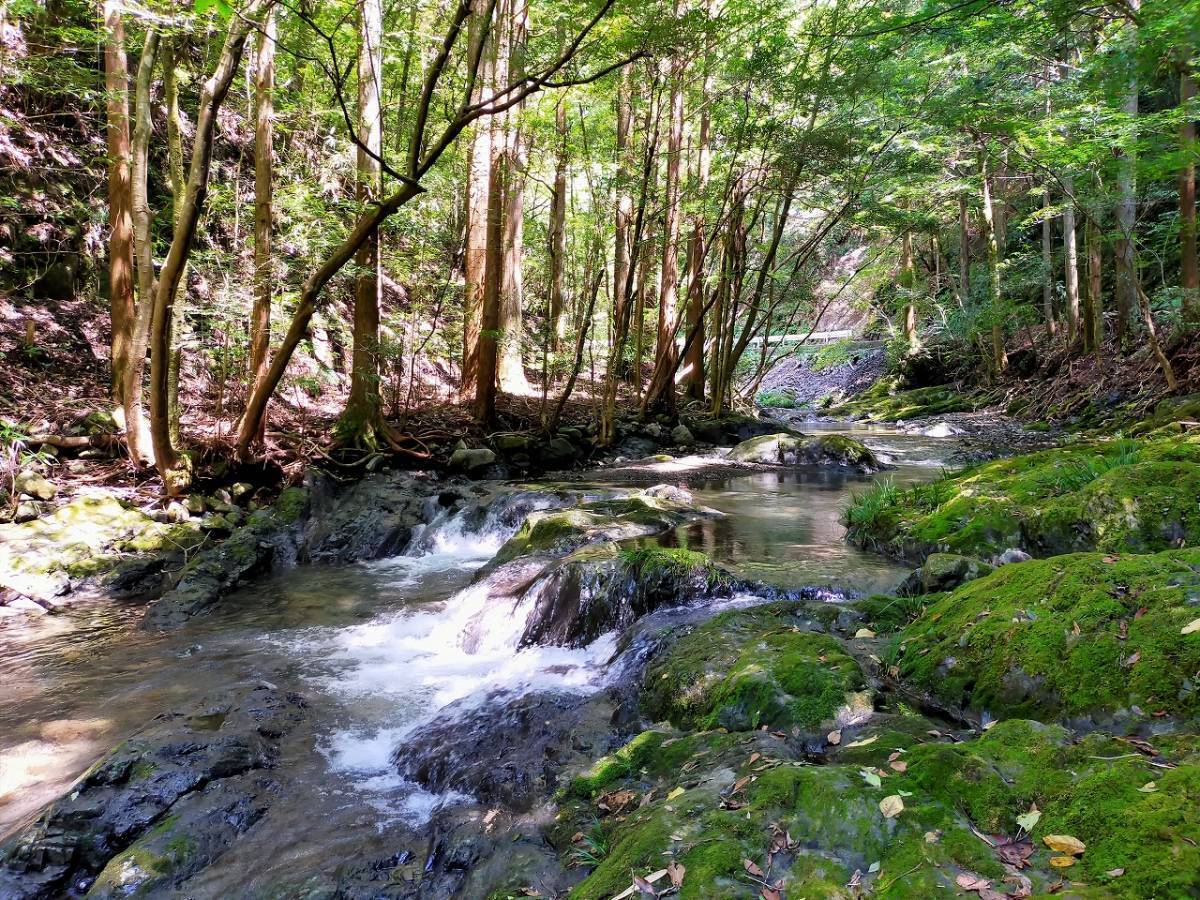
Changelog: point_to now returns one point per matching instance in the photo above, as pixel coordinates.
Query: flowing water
(378, 650)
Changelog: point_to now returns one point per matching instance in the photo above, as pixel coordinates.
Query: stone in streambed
(942, 572)
(33, 484)
(795, 449)
(468, 459)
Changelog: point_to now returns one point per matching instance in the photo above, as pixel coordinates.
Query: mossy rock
(943, 572)
(793, 449)
(1094, 789)
(883, 402)
(1082, 635)
(1118, 496)
(562, 531)
(746, 669)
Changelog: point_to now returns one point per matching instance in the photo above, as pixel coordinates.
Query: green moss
(748, 668)
(883, 403)
(290, 505)
(1112, 495)
(650, 561)
(1082, 634)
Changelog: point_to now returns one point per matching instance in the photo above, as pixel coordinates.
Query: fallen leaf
(770, 894)
(1027, 821)
(1110, 559)
(1064, 843)
(740, 783)
(863, 742)
(754, 757)
(932, 837)
(899, 765)
(1075, 629)
(1123, 631)
(678, 792)
(891, 806)
(1148, 788)
(577, 837)
(1015, 853)
(615, 801)
(645, 888)
(676, 872)
(834, 737)
(1062, 862)
(1191, 627)
(871, 778)
(1131, 661)
(1115, 873)
(491, 816)
(864, 633)
(969, 882)
(752, 867)
(655, 876)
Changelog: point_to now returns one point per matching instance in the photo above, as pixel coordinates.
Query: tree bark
(1047, 267)
(908, 281)
(964, 251)
(511, 365)
(120, 199)
(1093, 313)
(362, 419)
(264, 160)
(174, 469)
(175, 174)
(136, 433)
(693, 363)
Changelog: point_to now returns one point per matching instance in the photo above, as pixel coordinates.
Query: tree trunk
(362, 419)
(964, 252)
(264, 159)
(137, 434)
(511, 372)
(1093, 313)
(558, 230)
(694, 358)
(1125, 247)
(1047, 267)
(1188, 268)
(999, 357)
(174, 469)
(175, 175)
(660, 397)
(1152, 339)
(1070, 259)
(478, 178)
(908, 281)
(120, 199)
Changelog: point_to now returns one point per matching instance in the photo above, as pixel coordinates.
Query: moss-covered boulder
(791, 449)
(745, 669)
(1082, 635)
(1119, 496)
(559, 532)
(906, 824)
(884, 401)
(943, 572)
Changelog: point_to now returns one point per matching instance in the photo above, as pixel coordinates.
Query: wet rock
(682, 436)
(33, 484)
(790, 449)
(174, 779)
(27, 510)
(372, 518)
(515, 442)
(559, 451)
(467, 459)
(942, 572)
(1011, 555)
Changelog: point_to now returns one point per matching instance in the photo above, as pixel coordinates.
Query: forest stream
(380, 650)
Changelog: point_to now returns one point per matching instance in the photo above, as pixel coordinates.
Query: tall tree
(1189, 267)
(120, 197)
(1125, 247)
(264, 164)
(557, 234)
(693, 362)
(511, 365)
(478, 179)
(362, 419)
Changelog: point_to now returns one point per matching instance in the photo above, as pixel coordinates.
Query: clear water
(377, 650)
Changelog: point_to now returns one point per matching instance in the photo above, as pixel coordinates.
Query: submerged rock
(159, 807)
(791, 449)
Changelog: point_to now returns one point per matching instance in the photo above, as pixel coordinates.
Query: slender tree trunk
(175, 470)
(264, 160)
(511, 373)
(136, 432)
(1125, 247)
(1093, 313)
(908, 281)
(478, 179)
(558, 230)
(999, 357)
(493, 293)
(120, 199)
(661, 395)
(1156, 348)
(176, 178)
(694, 358)
(1048, 268)
(362, 419)
(1070, 259)
(1189, 270)
(964, 251)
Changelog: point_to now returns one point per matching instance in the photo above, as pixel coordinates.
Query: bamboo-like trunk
(264, 161)
(120, 198)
